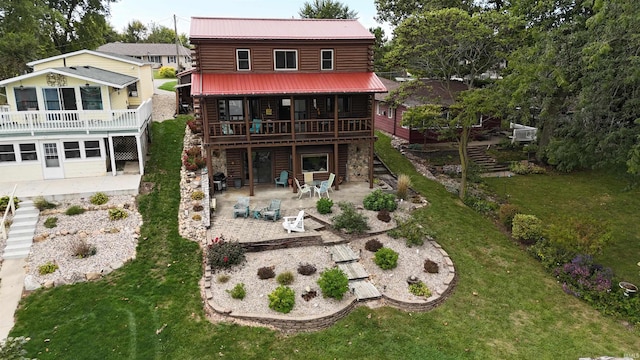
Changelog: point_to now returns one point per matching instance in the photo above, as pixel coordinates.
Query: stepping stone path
(347, 261)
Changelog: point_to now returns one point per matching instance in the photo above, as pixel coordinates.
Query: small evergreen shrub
(378, 200)
(384, 216)
(117, 214)
(238, 291)
(42, 204)
(4, 202)
(419, 289)
(225, 254)
(526, 228)
(412, 231)
(306, 269)
(285, 278)
(431, 266)
(83, 250)
(197, 195)
(51, 222)
(167, 72)
(282, 299)
(373, 245)
(324, 206)
(386, 258)
(404, 183)
(196, 217)
(223, 278)
(350, 220)
(74, 210)
(47, 268)
(333, 283)
(99, 198)
(506, 214)
(266, 272)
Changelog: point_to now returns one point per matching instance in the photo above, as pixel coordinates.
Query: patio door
(52, 165)
(262, 171)
(60, 99)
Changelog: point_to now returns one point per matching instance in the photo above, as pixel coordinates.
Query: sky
(161, 11)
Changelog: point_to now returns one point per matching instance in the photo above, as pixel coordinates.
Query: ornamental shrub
(585, 235)
(285, 278)
(582, 276)
(282, 299)
(378, 200)
(47, 268)
(480, 205)
(350, 220)
(51, 222)
(386, 258)
(431, 266)
(266, 273)
(419, 289)
(413, 231)
(506, 214)
(82, 249)
(525, 168)
(384, 216)
(118, 214)
(167, 72)
(238, 291)
(223, 278)
(404, 183)
(42, 204)
(99, 198)
(197, 195)
(75, 210)
(324, 206)
(4, 202)
(225, 254)
(333, 283)
(526, 228)
(306, 269)
(373, 245)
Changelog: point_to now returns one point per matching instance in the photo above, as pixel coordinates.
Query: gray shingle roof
(98, 75)
(143, 49)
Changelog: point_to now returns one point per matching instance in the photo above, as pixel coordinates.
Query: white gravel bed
(115, 241)
(257, 298)
(410, 262)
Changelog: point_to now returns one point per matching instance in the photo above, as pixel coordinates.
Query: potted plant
(629, 288)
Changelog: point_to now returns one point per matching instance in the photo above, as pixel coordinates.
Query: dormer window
(285, 59)
(326, 59)
(243, 59)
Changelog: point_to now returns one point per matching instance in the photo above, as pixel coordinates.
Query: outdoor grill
(219, 181)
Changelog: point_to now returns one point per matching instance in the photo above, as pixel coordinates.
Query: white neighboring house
(79, 114)
(157, 54)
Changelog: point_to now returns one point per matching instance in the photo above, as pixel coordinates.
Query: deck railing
(39, 121)
(522, 133)
(260, 128)
(11, 207)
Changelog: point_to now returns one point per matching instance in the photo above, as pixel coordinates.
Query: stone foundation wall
(358, 162)
(218, 161)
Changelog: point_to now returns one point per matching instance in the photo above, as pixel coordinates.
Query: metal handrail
(10, 206)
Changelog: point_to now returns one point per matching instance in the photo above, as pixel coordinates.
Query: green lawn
(505, 305)
(603, 195)
(169, 86)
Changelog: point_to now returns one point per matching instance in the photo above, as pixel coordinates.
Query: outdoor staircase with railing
(21, 231)
(478, 154)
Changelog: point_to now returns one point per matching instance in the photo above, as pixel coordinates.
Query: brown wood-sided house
(389, 118)
(285, 94)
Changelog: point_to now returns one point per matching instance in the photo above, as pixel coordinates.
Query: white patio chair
(294, 223)
(303, 189)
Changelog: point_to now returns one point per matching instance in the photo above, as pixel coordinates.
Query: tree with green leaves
(381, 48)
(135, 32)
(326, 9)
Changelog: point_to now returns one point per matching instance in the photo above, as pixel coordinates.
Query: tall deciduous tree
(135, 32)
(326, 9)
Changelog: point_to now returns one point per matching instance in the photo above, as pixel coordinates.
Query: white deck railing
(79, 120)
(522, 133)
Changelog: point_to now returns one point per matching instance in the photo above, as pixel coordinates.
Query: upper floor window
(91, 97)
(171, 59)
(26, 98)
(326, 59)
(242, 59)
(344, 104)
(133, 89)
(230, 109)
(285, 59)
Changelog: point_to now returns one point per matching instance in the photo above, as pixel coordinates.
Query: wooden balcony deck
(39, 122)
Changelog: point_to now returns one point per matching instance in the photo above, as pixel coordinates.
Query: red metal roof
(285, 83)
(264, 29)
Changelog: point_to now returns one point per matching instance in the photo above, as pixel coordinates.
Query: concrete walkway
(12, 271)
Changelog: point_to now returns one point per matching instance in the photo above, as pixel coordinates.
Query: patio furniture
(272, 212)
(323, 189)
(294, 223)
(308, 178)
(332, 177)
(257, 213)
(256, 126)
(282, 180)
(303, 189)
(241, 207)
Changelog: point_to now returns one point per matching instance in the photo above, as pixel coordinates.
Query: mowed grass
(504, 306)
(601, 195)
(168, 86)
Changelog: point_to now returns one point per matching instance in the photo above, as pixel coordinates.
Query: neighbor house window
(26, 98)
(326, 58)
(92, 148)
(390, 113)
(242, 59)
(7, 153)
(378, 108)
(71, 150)
(28, 152)
(285, 59)
(133, 90)
(230, 110)
(91, 97)
(315, 162)
(171, 59)
(155, 59)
